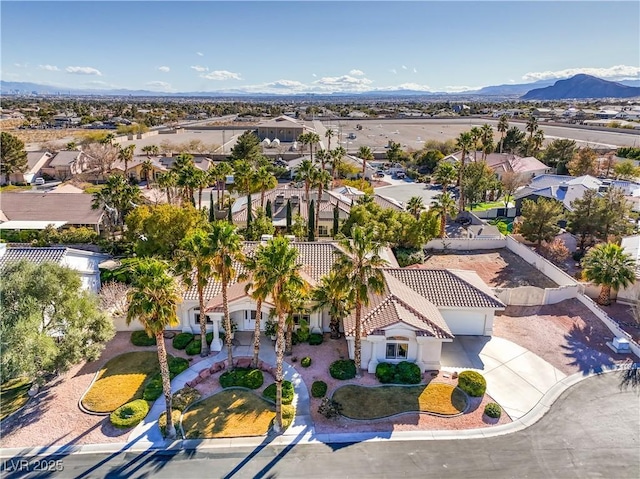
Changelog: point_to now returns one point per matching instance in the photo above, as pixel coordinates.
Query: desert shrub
(287, 392)
(185, 397)
(193, 348)
(153, 389)
(401, 373)
(182, 340)
(315, 339)
(343, 369)
(305, 362)
(141, 338)
(329, 408)
(318, 389)
(242, 377)
(409, 256)
(130, 414)
(385, 372)
(162, 421)
(472, 383)
(177, 365)
(493, 410)
(556, 251)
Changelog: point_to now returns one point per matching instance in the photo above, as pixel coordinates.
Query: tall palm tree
(199, 180)
(464, 142)
(336, 162)
(218, 175)
(476, 134)
(227, 249)
(279, 270)
(117, 199)
(365, 154)
(608, 265)
(264, 180)
(196, 266)
(328, 135)
(168, 181)
(305, 173)
(186, 175)
(313, 139)
(257, 289)
(537, 141)
(359, 270)
(146, 169)
(415, 205)
(126, 155)
(153, 300)
(503, 126)
(445, 174)
(295, 297)
(444, 205)
(330, 295)
(321, 179)
(486, 139)
(532, 126)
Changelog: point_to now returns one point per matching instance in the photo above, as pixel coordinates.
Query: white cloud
(356, 73)
(404, 67)
(415, 70)
(200, 54)
(222, 75)
(159, 84)
(97, 83)
(287, 84)
(83, 71)
(314, 75)
(198, 68)
(164, 69)
(343, 83)
(458, 88)
(618, 72)
(393, 70)
(406, 86)
(51, 68)
(21, 65)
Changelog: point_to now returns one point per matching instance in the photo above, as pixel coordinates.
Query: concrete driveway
(516, 378)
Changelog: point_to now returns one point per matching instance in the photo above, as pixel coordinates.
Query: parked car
(400, 175)
(39, 181)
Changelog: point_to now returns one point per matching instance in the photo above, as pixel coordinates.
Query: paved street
(591, 431)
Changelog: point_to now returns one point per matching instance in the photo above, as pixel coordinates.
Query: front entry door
(250, 320)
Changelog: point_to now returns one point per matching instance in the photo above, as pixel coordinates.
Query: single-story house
(67, 163)
(500, 163)
(283, 128)
(36, 160)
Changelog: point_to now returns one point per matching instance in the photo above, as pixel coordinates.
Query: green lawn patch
(374, 403)
(233, 413)
(487, 206)
(121, 380)
(13, 395)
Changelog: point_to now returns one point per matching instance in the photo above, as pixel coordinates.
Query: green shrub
(343, 369)
(385, 372)
(153, 389)
(141, 338)
(130, 414)
(401, 373)
(315, 339)
(287, 392)
(493, 410)
(193, 348)
(305, 362)
(242, 377)
(177, 365)
(318, 389)
(185, 397)
(209, 337)
(472, 383)
(182, 340)
(162, 421)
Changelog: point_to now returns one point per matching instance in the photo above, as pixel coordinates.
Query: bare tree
(113, 299)
(101, 157)
(511, 181)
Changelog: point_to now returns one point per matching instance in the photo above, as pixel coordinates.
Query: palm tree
(126, 155)
(218, 175)
(445, 205)
(415, 205)
(227, 249)
(199, 180)
(321, 179)
(365, 154)
(609, 266)
(117, 198)
(532, 126)
(153, 300)
(147, 150)
(503, 126)
(312, 139)
(328, 135)
(305, 173)
(264, 180)
(196, 266)
(358, 268)
(257, 289)
(145, 169)
(476, 134)
(278, 271)
(486, 138)
(295, 296)
(464, 142)
(330, 295)
(336, 162)
(445, 174)
(168, 181)
(537, 141)
(186, 174)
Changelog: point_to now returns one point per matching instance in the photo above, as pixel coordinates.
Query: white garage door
(464, 323)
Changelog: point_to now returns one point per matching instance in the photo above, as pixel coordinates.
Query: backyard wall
(534, 296)
(466, 244)
(543, 265)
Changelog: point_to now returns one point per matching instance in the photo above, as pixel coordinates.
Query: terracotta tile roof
(33, 255)
(448, 288)
(75, 209)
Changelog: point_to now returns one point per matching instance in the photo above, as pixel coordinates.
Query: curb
(309, 437)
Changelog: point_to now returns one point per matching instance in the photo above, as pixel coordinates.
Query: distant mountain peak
(582, 86)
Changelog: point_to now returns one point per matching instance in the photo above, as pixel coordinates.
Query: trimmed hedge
(305, 362)
(130, 414)
(287, 392)
(193, 348)
(141, 338)
(209, 337)
(318, 389)
(343, 369)
(401, 373)
(242, 377)
(177, 365)
(182, 340)
(153, 389)
(315, 339)
(472, 383)
(184, 398)
(493, 410)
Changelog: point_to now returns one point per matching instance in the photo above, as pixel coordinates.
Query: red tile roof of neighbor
(75, 209)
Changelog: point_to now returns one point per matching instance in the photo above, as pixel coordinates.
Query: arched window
(397, 347)
(196, 316)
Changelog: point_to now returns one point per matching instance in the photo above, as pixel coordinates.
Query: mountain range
(579, 86)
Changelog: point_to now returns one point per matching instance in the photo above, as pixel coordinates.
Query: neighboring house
(500, 163)
(284, 128)
(67, 163)
(74, 209)
(36, 160)
(418, 310)
(85, 262)
(350, 196)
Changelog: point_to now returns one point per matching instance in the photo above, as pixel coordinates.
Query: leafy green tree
(584, 162)
(260, 225)
(13, 156)
(584, 220)
(608, 265)
(247, 147)
(48, 323)
(540, 219)
(626, 170)
(444, 205)
(513, 140)
(428, 159)
(445, 174)
(558, 153)
(117, 198)
(299, 228)
(615, 215)
(394, 152)
(358, 268)
(477, 179)
(153, 300)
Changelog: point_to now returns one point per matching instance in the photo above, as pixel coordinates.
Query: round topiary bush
(315, 339)
(287, 392)
(472, 383)
(141, 338)
(343, 369)
(193, 348)
(408, 373)
(305, 362)
(493, 410)
(130, 414)
(242, 377)
(318, 389)
(177, 365)
(182, 340)
(385, 372)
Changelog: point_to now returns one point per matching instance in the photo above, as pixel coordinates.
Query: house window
(397, 348)
(298, 317)
(250, 315)
(323, 230)
(197, 317)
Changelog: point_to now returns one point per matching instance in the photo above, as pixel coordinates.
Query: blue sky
(315, 46)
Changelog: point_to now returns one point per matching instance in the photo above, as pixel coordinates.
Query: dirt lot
(498, 268)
